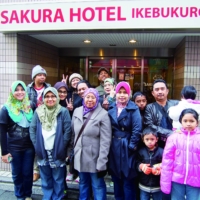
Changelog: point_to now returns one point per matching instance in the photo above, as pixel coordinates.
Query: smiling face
(141, 102)
(50, 99)
(62, 92)
(90, 100)
(103, 75)
(188, 122)
(81, 89)
(108, 87)
(122, 96)
(150, 141)
(19, 93)
(160, 92)
(74, 82)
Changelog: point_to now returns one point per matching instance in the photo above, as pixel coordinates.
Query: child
(149, 159)
(181, 159)
(188, 95)
(140, 100)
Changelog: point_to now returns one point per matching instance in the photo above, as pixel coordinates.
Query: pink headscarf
(125, 85)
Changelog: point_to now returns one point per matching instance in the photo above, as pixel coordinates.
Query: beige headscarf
(47, 115)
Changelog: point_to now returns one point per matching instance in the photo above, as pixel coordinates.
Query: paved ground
(7, 187)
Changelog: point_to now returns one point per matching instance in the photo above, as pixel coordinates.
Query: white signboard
(100, 15)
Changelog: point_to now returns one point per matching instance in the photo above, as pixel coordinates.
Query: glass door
(130, 70)
(94, 63)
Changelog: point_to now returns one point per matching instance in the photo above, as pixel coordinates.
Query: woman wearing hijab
(50, 132)
(61, 87)
(16, 146)
(92, 147)
(126, 128)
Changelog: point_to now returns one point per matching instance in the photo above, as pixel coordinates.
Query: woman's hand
(5, 158)
(69, 105)
(112, 93)
(64, 80)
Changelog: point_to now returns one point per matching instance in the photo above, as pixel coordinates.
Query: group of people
(149, 150)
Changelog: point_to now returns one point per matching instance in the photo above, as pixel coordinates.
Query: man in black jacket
(156, 114)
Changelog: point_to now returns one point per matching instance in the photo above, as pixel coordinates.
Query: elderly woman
(92, 147)
(126, 128)
(16, 146)
(50, 132)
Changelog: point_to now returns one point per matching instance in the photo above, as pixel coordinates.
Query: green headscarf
(110, 80)
(47, 115)
(15, 106)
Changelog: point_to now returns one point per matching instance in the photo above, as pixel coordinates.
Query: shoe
(111, 184)
(28, 198)
(69, 177)
(35, 177)
(77, 179)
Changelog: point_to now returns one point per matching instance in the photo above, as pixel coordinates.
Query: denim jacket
(32, 94)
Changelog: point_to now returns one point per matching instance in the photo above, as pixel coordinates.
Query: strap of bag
(83, 126)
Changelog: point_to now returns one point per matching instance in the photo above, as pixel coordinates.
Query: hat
(110, 80)
(58, 85)
(102, 69)
(38, 70)
(75, 75)
(125, 85)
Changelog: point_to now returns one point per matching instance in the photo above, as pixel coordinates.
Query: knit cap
(75, 75)
(38, 70)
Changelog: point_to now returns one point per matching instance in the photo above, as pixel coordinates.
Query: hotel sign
(99, 15)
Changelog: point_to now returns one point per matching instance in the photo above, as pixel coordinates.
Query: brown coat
(92, 148)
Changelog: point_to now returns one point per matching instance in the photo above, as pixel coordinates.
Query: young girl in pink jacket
(180, 174)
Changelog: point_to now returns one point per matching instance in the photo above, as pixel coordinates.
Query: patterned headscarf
(17, 108)
(96, 94)
(48, 115)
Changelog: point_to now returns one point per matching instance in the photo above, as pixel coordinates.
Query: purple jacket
(181, 160)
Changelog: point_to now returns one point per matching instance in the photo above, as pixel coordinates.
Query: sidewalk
(6, 184)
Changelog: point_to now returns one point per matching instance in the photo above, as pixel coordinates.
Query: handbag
(71, 158)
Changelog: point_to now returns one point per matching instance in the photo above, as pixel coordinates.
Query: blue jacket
(126, 136)
(32, 94)
(63, 135)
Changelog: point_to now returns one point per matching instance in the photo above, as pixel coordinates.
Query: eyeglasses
(62, 92)
(50, 97)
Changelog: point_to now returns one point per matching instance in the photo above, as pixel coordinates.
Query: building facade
(51, 33)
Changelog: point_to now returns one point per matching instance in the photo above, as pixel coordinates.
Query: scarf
(47, 115)
(17, 109)
(96, 94)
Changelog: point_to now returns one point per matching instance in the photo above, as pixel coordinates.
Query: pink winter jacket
(181, 160)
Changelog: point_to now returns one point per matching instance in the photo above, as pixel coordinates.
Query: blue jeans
(124, 189)
(179, 191)
(146, 195)
(98, 186)
(22, 172)
(53, 182)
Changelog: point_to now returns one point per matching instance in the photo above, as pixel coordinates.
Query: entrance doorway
(139, 72)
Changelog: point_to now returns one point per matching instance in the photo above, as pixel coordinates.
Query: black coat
(153, 117)
(126, 130)
(149, 157)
